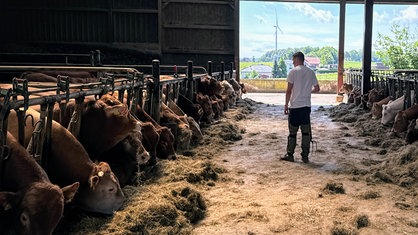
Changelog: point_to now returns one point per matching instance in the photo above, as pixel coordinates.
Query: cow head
(103, 193)
(376, 111)
(374, 96)
(109, 117)
(39, 208)
(165, 148)
(150, 139)
(401, 122)
(206, 104)
(346, 88)
(182, 131)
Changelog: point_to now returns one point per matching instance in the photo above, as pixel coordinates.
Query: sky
(314, 24)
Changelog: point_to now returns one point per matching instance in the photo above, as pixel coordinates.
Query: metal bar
(156, 92)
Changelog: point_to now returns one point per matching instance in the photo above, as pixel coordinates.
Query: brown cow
(403, 118)
(51, 76)
(150, 140)
(193, 110)
(165, 146)
(197, 135)
(353, 93)
(412, 132)
(69, 162)
(377, 107)
(183, 134)
(126, 157)
(32, 204)
(209, 86)
(217, 106)
(373, 96)
(206, 103)
(104, 123)
(239, 88)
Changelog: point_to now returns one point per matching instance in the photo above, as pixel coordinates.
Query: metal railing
(395, 83)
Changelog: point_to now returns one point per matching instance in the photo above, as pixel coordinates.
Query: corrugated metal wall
(87, 21)
(199, 30)
(177, 30)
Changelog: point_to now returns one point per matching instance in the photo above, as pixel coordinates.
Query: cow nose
(138, 126)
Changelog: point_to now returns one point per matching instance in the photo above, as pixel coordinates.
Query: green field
(323, 77)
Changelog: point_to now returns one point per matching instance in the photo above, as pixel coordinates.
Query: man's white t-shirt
(303, 79)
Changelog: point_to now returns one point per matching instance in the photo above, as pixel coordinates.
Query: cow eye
(24, 218)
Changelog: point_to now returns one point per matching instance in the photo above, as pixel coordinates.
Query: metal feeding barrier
(144, 89)
(22, 94)
(395, 83)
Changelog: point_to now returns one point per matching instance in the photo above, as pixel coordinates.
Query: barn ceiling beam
(402, 2)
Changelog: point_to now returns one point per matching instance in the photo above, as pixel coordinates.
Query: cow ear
(8, 200)
(93, 181)
(70, 191)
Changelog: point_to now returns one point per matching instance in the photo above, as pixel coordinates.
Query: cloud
(308, 10)
(379, 17)
(408, 14)
(261, 19)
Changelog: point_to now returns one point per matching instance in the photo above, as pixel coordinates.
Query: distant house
(289, 65)
(312, 62)
(263, 71)
(379, 65)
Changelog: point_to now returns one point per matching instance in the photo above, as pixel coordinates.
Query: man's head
(298, 58)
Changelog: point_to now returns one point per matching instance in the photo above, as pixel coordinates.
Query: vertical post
(190, 81)
(98, 59)
(236, 38)
(48, 136)
(231, 72)
(222, 70)
(367, 46)
(156, 91)
(341, 45)
(210, 68)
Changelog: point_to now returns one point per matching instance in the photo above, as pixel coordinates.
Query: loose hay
(165, 198)
(334, 188)
(362, 221)
(400, 165)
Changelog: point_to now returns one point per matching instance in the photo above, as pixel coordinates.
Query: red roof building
(312, 62)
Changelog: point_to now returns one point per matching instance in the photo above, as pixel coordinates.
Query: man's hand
(286, 110)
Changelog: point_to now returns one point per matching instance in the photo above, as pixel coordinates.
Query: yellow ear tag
(100, 174)
(7, 207)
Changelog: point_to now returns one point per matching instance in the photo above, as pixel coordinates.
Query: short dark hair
(299, 55)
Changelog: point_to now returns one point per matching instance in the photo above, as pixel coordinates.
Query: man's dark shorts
(300, 116)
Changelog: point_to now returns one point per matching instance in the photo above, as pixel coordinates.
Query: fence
(395, 83)
(141, 88)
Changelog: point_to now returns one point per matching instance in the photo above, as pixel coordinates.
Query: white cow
(390, 110)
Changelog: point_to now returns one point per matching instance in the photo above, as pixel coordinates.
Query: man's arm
(316, 88)
(288, 94)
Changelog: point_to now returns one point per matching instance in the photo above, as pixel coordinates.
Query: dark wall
(128, 31)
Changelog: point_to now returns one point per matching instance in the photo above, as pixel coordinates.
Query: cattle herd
(390, 110)
(81, 151)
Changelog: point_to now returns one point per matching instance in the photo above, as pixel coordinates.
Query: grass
(321, 77)
(347, 64)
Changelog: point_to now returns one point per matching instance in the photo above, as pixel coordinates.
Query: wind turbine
(277, 27)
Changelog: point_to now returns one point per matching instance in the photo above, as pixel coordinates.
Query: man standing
(300, 81)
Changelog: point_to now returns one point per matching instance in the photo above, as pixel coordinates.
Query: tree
(282, 68)
(253, 74)
(399, 51)
(276, 71)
